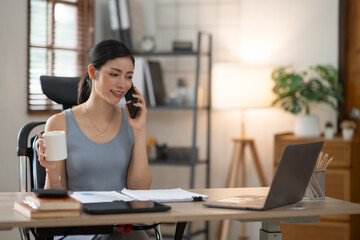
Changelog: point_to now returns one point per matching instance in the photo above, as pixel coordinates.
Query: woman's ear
(91, 71)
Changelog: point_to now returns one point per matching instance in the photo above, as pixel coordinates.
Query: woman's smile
(117, 94)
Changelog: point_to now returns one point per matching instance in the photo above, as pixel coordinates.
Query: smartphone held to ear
(130, 100)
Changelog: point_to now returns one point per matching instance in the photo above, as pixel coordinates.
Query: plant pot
(329, 132)
(347, 133)
(307, 126)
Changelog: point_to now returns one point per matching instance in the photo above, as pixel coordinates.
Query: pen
(197, 198)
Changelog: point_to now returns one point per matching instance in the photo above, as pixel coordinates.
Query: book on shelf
(138, 76)
(154, 82)
(156, 78)
(138, 79)
(30, 212)
(68, 203)
(149, 84)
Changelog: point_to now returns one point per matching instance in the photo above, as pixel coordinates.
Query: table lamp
(238, 87)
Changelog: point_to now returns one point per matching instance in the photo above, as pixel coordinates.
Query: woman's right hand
(51, 165)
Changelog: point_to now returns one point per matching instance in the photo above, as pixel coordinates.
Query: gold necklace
(100, 132)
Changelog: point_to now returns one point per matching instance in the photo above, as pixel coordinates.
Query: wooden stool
(237, 160)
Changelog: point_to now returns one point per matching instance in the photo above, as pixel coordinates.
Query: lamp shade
(236, 86)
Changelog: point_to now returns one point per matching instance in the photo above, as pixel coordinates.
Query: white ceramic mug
(55, 145)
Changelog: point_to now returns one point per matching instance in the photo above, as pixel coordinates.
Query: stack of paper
(100, 196)
(164, 195)
(158, 195)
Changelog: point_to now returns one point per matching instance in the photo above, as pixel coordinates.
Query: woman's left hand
(139, 122)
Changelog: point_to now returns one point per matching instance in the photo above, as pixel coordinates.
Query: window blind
(60, 37)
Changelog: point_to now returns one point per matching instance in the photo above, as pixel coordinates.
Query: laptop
(288, 185)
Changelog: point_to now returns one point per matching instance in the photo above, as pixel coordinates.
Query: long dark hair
(101, 53)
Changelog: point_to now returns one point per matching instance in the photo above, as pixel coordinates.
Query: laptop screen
(293, 174)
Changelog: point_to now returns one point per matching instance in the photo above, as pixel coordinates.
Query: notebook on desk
(289, 183)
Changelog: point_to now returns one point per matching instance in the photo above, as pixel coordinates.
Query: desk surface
(180, 212)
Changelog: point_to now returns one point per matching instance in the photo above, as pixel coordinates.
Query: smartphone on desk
(51, 193)
(130, 100)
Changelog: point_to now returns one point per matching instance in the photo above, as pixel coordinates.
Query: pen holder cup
(316, 187)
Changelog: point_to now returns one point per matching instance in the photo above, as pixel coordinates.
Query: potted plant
(296, 91)
(347, 128)
(329, 130)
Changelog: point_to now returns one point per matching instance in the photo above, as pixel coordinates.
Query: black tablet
(124, 207)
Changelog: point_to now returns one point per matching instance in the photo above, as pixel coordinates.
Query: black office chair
(62, 90)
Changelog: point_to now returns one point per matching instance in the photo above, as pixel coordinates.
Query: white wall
(12, 93)
(273, 32)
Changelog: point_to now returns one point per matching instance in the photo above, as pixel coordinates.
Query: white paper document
(164, 195)
(127, 195)
(100, 196)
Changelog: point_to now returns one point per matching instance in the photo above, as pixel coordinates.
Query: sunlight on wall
(277, 32)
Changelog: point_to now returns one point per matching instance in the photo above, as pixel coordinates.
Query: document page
(100, 196)
(164, 195)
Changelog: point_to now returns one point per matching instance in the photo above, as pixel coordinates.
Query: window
(59, 40)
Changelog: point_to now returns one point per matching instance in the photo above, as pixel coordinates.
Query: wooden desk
(186, 212)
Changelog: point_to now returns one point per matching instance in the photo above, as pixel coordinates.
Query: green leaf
(292, 105)
(312, 90)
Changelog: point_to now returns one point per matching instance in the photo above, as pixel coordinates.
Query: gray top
(94, 166)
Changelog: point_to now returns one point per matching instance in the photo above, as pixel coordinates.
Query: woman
(106, 147)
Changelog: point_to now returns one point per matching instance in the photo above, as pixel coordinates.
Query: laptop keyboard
(251, 203)
(246, 202)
